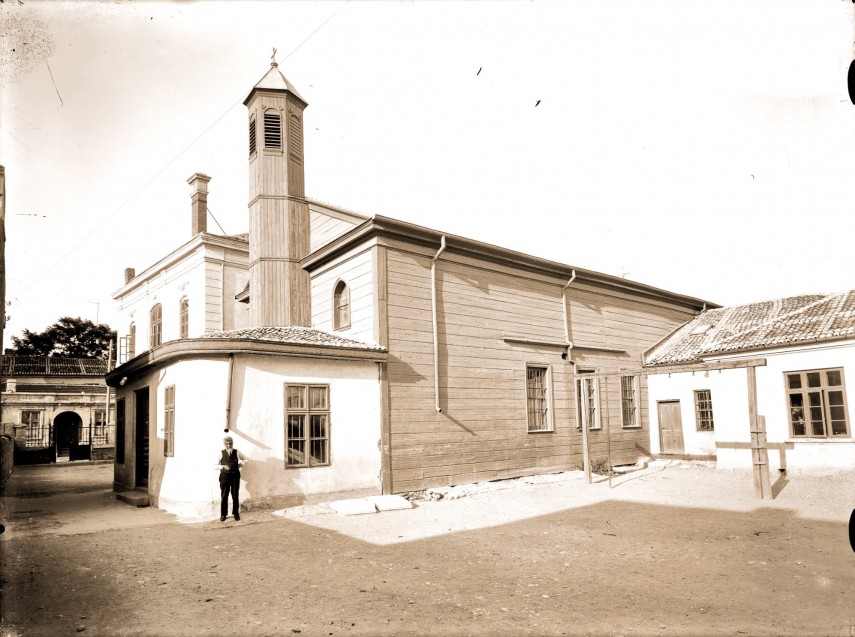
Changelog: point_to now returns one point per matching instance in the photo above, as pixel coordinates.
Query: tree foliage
(76, 337)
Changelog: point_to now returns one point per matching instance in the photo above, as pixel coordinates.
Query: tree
(76, 337)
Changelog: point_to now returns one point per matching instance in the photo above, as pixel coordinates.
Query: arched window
(252, 136)
(184, 318)
(272, 130)
(156, 326)
(341, 306)
(132, 340)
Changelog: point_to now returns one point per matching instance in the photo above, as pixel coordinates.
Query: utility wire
(167, 165)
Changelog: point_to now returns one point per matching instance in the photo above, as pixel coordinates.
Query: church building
(360, 355)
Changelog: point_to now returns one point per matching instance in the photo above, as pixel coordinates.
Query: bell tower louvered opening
(252, 137)
(272, 130)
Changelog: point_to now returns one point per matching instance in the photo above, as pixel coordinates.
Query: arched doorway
(66, 435)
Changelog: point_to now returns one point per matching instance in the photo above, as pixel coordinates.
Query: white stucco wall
(729, 391)
(187, 484)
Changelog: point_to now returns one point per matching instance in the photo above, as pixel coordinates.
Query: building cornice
(175, 351)
(384, 227)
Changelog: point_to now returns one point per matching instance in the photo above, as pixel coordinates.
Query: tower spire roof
(273, 80)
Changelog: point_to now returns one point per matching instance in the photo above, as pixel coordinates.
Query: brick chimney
(130, 273)
(199, 202)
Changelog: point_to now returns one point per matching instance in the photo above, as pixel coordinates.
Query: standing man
(229, 464)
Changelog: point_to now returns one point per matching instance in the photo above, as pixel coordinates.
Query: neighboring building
(808, 345)
(353, 354)
(57, 409)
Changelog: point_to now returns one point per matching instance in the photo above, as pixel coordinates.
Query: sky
(703, 148)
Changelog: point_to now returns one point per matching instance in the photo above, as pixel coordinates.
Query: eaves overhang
(201, 240)
(175, 351)
(385, 227)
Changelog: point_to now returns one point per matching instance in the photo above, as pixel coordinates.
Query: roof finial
(273, 58)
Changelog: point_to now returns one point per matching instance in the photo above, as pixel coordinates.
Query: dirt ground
(673, 549)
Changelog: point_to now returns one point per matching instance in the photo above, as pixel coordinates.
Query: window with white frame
(156, 326)
(703, 410)
(307, 426)
(538, 398)
(35, 434)
(341, 306)
(630, 414)
(588, 401)
(816, 401)
(169, 421)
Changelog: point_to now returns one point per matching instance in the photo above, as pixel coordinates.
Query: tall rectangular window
(703, 410)
(99, 426)
(307, 425)
(155, 326)
(184, 318)
(36, 435)
(630, 414)
(120, 431)
(538, 398)
(816, 400)
(588, 401)
(169, 421)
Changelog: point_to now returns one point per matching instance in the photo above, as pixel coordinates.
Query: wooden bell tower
(278, 211)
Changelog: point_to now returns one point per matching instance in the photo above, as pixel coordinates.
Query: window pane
(318, 426)
(295, 397)
(814, 379)
(795, 381)
(833, 378)
(296, 452)
(295, 427)
(317, 397)
(319, 452)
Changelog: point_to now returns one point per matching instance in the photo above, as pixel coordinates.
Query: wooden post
(582, 401)
(608, 429)
(759, 453)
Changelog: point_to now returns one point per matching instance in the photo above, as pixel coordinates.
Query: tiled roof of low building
(14, 365)
(765, 325)
(295, 336)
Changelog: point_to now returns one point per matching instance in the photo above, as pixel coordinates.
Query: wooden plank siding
(325, 228)
(357, 271)
(481, 433)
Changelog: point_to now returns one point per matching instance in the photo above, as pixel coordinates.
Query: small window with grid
(307, 426)
(252, 137)
(538, 398)
(629, 401)
(703, 410)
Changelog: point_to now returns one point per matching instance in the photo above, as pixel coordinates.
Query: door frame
(141, 435)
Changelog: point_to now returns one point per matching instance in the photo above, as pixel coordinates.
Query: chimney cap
(199, 177)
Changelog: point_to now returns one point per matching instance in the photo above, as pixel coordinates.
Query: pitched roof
(273, 80)
(14, 365)
(765, 325)
(295, 336)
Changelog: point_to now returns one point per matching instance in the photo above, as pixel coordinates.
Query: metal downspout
(586, 457)
(229, 391)
(435, 332)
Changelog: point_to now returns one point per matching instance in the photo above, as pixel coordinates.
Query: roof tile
(767, 324)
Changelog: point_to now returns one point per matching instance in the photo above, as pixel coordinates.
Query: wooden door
(141, 438)
(670, 426)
